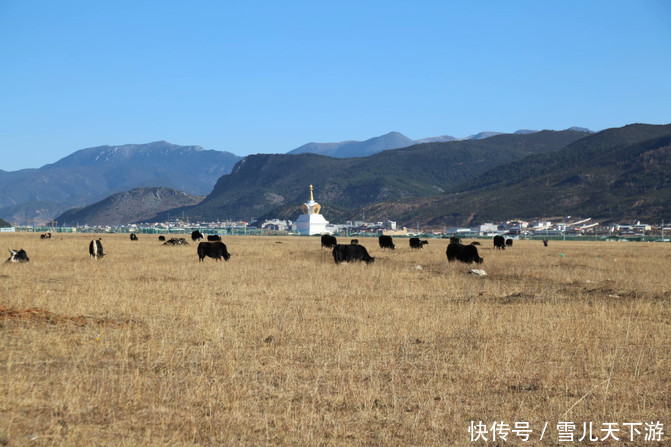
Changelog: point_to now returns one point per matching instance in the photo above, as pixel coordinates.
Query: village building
(487, 229)
(395, 232)
(276, 225)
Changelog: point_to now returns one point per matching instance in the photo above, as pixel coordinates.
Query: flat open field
(280, 346)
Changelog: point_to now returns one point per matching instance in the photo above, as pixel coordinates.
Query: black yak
(463, 253)
(347, 253)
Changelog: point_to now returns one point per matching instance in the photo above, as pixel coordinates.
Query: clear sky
(269, 76)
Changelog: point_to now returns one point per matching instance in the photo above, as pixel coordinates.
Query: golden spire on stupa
(311, 207)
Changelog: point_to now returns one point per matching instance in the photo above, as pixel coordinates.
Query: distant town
(567, 228)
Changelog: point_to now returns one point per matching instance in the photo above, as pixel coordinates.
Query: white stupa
(310, 222)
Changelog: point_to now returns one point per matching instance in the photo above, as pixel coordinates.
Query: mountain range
(391, 140)
(271, 185)
(619, 173)
(90, 175)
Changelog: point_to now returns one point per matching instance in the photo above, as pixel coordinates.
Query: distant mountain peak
(155, 146)
(438, 139)
(394, 134)
(580, 129)
(127, 152)
(483, 135)
(352, 148)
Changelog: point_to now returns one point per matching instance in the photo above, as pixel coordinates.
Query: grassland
(280, 346)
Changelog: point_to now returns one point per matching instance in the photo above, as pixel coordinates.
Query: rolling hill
(136, 205)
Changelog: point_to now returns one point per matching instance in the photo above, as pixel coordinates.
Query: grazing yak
(216, 250)
(386, 242)
(499, 243)
(214, 238)
(176, 241)
(347, 253)
(463, 253)
(17, 256)
(416, 243)
(96, 249)
(133, 237)
(45, 236)
(354, 241)
(329, 241)
(455, 240)
(509, 242)
(161, 238)
(196, 235)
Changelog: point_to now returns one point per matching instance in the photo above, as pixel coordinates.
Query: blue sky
(267, 76)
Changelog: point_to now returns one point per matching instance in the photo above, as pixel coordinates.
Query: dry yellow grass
(280, 346)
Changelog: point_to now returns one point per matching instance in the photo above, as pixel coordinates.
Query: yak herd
(456, 251)
(214, 248)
